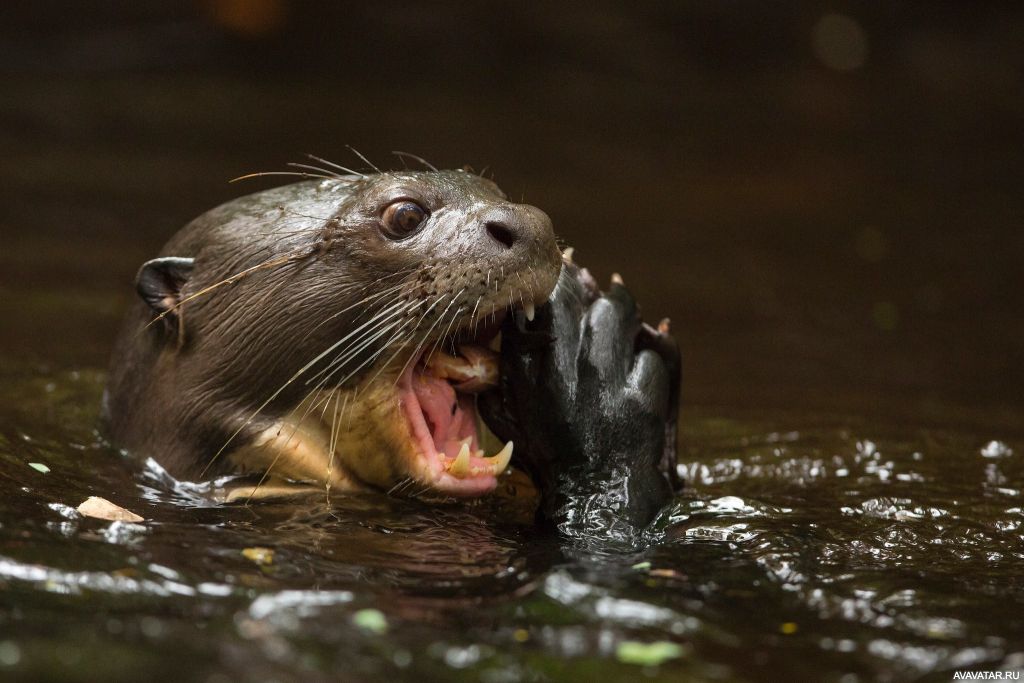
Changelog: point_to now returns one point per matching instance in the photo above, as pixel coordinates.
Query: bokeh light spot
(251, 18)
(839, 42)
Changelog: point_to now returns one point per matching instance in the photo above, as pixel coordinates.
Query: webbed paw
(590, 394)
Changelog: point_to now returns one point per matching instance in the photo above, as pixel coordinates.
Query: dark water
(839, 249)
(806, 547)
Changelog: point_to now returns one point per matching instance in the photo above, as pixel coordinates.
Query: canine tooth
(460, 466)
(567, 254)
(500, 461)
(529, 310)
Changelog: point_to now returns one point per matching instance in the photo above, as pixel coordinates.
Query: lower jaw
(395, 442)
(454, 466)
(462, 488)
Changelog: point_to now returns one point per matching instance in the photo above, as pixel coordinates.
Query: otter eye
(401, 219)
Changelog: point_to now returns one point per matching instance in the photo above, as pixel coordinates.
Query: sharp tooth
(495, 344)
(529, 310)
(460, 465)
(500, 461)
(567, 254)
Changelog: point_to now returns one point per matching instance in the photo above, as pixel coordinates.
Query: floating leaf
(39, 467)
(372, 620)
(647, 654)
(667, 574)
(101, 508)
(264, 556)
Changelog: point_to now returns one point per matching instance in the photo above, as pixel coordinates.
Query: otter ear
(159, 281)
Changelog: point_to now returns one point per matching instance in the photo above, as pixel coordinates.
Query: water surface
(805, 546)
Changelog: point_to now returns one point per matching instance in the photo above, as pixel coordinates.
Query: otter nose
(502, 232)
(515, 225)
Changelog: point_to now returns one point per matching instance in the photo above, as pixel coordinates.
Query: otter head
(336, 331)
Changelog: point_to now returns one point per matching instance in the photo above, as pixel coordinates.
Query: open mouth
(437, 394)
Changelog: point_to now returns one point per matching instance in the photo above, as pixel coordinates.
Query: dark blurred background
(826, 198)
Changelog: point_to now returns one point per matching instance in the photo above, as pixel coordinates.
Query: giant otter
(286, 331)
(335, 332)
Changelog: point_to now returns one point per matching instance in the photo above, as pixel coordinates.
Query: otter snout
(517, 224)
(520, 236)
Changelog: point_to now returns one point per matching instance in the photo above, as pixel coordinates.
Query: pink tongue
(450, 417)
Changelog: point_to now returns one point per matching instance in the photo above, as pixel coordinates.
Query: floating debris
(39, 467)
(647, 654)
(371, 620)
(263, 556)
(667, 574)
(101, 508)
